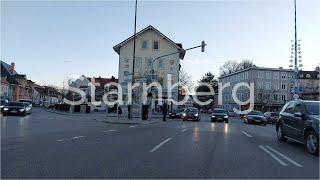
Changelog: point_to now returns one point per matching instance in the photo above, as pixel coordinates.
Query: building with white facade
(272, 88)
(150, 44)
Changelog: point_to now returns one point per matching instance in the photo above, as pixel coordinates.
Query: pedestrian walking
(164, 111)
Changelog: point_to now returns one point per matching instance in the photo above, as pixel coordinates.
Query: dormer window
(155, 45)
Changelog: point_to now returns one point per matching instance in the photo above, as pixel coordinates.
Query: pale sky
(50, 40)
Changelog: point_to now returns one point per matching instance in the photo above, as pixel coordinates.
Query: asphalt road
(48, 145)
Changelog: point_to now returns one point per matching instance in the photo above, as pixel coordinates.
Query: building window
(283, 86)
(155, 45)
(268, 85)
(149, 63)
(259, 96)
(246, 75)
(260, 85)
(275, 97)
(160, 64)
(283, 97)
(138, 62)
(283, 76)
(144, 44)
(275, 75)
(268, 75)
(276, 86)
(260, 74)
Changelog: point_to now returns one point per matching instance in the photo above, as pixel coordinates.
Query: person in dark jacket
(164, 111)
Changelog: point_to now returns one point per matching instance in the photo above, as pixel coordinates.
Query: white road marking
(111, 130)
(68, 139)
(183, 130)
(77, 137)
(284, 156)
(159, 145)
(133, 126)
(273, 156)
(245, 133)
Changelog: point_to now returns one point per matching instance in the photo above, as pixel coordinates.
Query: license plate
(14, 111)
(257, 120)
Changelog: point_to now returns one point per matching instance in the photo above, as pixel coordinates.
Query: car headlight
(225, 116)
(21, 110)
(196, 114)
(5, 109)
(184, 114)
(213, 116)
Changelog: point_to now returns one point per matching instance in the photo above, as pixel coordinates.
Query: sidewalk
(111, 117)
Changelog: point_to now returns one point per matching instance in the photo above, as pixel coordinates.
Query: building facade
(309, 85)
(272, 88)
(150, 44)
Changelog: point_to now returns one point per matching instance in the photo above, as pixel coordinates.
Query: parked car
(299, 121)
(231, 114)
(191, 113)
(3, 103)
(26, 100)
(255, 117)
(272, 117)
(99, 108)
(175, 113)
(219, 115)
(15, 108)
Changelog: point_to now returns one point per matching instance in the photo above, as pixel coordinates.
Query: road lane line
(111, 130)
(133, 126)
(273, 156)
(245, 133)
(77, 137)
(183, 130)
(68, 139)
(284, 156)
(159, 145)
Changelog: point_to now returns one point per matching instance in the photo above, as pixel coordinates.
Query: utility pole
(134, 50)
(296, 96)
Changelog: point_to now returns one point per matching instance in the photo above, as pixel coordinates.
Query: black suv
(299, 121)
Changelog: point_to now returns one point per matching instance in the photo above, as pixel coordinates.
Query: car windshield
(219, 111)
(255, 113)
(313, 108)
(20, 104)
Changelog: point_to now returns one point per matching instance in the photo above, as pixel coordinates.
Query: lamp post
(134, 51)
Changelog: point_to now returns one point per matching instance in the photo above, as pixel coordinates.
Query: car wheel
(312, 143)
(280, 134)
(226, 121)
(264, 124)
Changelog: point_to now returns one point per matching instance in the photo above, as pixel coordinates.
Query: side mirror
(298, 114)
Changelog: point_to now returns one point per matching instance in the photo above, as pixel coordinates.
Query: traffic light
(203, 44)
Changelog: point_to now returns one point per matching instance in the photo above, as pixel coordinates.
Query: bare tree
(185, 79)
(232, 66)
(229, 67)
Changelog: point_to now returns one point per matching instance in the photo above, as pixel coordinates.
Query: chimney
(12, 66)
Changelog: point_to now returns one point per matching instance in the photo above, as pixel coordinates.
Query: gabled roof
(177, 45)
(5, 73)
(7, 67)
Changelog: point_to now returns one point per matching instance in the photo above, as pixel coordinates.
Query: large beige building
(150, 44)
